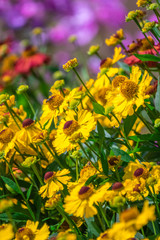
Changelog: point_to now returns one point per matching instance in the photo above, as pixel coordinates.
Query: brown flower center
(25, 233)
(106, 63)
(129, 214)
(138, 172)
(6, 135)
(70, 127)
(117, 186)
(85, 192)
(118, 80)
(55, 101)
(129, 89)
(48, 176)
(113, 161)
(28, 122)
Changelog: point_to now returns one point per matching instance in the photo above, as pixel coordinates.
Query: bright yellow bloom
(108, 62)
(73, 128)
(80, 201)
(6, 232)
(54, 182)
(148, 26)
(129, 93)
(115, 38)
(131, 220)
(142, 3)
(5, 204)
(31, 231)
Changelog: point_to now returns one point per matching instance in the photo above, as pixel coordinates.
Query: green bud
(22, 88)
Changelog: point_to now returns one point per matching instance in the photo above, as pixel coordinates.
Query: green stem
(136, 21)
(97, 54)
(71, 224)
(89, 94)
(144, 121)
(54, 155)
(154, 228)
(84, 151)
(92, 150)
(20, 191)
(100, 221)
(77, 172)
(104, 215)
(35, 170)
(9, 109)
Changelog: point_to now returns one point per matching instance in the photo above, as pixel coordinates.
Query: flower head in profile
(72, 63)
(31, 232)
(115, 38)
(80, 201)
(54, 182)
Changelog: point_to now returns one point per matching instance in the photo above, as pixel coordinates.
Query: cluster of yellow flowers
(87, 166)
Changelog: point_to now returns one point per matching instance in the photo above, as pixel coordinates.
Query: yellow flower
(148, 26)
(22, 88)
(80, 202)
(52, 202)
(6, 232)
(54, 182)
(29, 161)
(66, 236)
(72, 63)
(73, 128)
(31, 231)
(93, 49)
(115, 38)
(5, 204)
(142, 3)
(55, 106)
(129, 93)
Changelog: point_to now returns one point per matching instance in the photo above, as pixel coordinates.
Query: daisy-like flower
(115, 38)
(54, 182)
(56, 105)
(129, 93)
(6, 232)
(31, 232)
(108, 62)
(8, 68)
(30, 59)
(131, 220)
(80, 201)
(73, 128)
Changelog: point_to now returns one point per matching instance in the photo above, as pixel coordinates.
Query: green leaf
(145, 137)
(92, 227)
(90, 179)
(29, 192)
(124, 156)
(128, 123)
(147, 57)
(99, 109)
(101, 132)
(157, 98)
(104, 162)
(10, 183)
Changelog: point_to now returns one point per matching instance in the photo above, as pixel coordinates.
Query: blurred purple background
(91, 21)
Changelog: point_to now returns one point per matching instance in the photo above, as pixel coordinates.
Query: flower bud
(93, 49)
(4, 98)
(22, 88)
(148, 26)
(72, 63)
